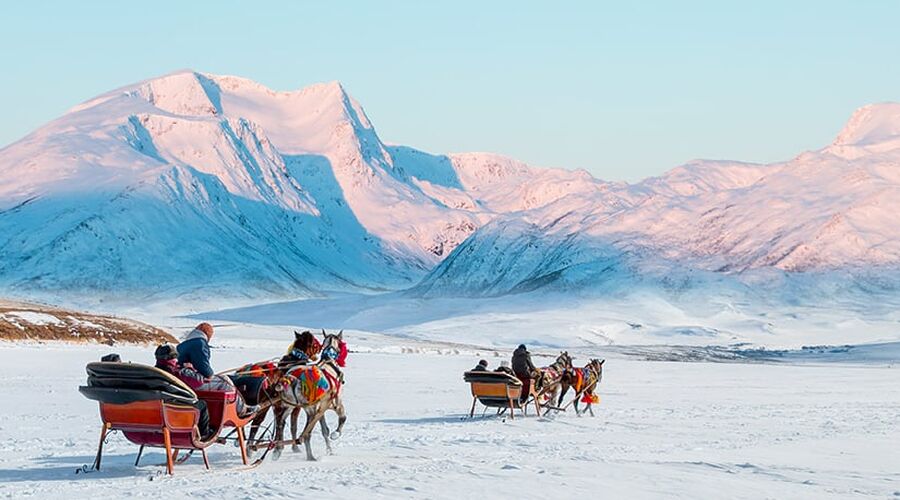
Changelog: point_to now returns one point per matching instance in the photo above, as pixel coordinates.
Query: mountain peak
(871, 124)
(184, 93)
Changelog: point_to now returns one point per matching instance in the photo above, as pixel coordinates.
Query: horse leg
(323, 424)
(562, 394)
(314, 413)
(591, 392)
(280, 417)
(342, 417)
(255, 425)
(295, 414)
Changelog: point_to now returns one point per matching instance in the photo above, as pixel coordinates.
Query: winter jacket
(191, 377)
(521, 363)
(194, 349)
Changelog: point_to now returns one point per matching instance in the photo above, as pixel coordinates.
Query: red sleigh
(153, 408)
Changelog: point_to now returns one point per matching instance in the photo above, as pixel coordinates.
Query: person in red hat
(193, 352)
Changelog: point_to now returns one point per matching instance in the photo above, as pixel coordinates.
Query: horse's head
(333, 347)
(564, 360)
(596, 366)
(305, 344)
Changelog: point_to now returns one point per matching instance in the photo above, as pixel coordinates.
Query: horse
(548, 379)
(316, 389)
(304, 347)
(584, 381)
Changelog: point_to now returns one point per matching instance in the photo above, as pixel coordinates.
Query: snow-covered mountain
(834, 210)
(193, 183)
(216, 184)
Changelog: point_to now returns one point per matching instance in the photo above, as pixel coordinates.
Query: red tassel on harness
(342, 354)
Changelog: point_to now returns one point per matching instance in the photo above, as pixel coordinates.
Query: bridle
(331, 352)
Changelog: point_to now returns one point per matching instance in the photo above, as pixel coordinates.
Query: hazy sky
(624, 90)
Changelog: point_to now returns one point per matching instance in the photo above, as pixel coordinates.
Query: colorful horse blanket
(267, 369)
(583, 379)
(312, 382)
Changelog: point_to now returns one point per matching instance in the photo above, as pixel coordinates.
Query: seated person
(193, 351)
(482, 366)
(504, 368)
(165, 361)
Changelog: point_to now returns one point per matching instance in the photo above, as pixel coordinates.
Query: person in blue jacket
(193, 351)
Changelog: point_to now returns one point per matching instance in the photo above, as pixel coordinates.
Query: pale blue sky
(624, 89)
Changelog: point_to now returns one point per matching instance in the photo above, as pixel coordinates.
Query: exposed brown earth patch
(24, 321)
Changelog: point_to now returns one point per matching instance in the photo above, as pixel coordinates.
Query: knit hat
(165, 352)
(483, 362)
(206, 328)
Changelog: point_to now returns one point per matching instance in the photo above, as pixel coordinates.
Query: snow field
(691, 430)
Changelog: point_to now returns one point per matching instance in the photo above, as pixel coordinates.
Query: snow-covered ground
(663, 429)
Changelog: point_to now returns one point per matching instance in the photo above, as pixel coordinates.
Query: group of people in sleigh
(522, 368)
(189, 362)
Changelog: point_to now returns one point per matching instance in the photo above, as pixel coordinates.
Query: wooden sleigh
(498, 390)
(153, 408)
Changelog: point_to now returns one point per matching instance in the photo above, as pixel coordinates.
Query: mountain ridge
(293, 192)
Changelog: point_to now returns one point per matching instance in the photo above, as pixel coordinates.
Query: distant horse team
(546, 387)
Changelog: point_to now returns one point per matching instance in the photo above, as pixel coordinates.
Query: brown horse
(584, 381)
(316, 389)
(304, 348)
(547, 381)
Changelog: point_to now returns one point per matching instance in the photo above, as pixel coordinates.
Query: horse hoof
(276, 453)
(335, 435)
(295, 448)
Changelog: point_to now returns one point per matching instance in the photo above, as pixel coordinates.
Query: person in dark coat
(481, 366)
(521, 362)
(524, 369)
(166, 361)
